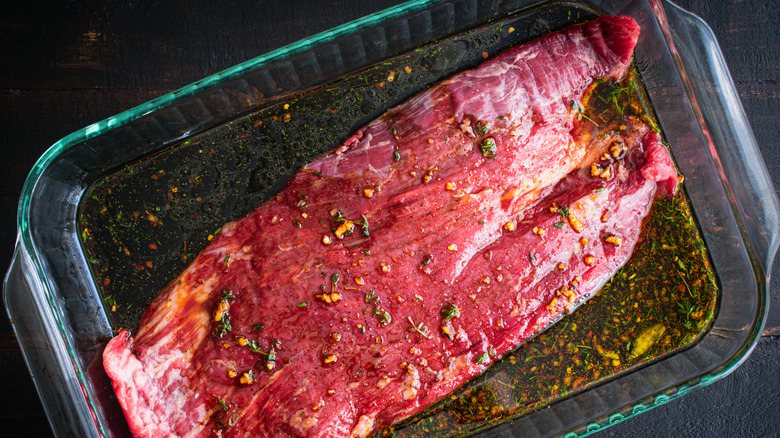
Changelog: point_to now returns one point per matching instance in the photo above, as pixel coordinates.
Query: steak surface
(392, 270)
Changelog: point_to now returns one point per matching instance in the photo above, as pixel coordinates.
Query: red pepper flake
(152, 246)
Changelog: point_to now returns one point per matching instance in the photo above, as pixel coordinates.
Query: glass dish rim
(25, 241)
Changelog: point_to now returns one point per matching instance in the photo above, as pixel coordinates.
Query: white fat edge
(489, 70)
(365, 425)
(648, 185)
(132, 370)
(456, 366)
(246, 252)
(588, 55)
(158, 367)
(365, 146)
(525, 54)
(222, 251)
(587, 58)
(301, 387)
(178, 295)
(424, 100)
(411, 383)
(383, 382)
(284, 247)
(577, 38)
(302, 421)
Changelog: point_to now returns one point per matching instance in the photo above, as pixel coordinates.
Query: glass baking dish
(62, 316)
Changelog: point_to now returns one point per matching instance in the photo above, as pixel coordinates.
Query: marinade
(142, 224)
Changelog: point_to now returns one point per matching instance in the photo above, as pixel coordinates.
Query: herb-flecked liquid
(142, 224)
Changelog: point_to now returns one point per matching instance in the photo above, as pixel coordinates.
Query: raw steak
(392, 270)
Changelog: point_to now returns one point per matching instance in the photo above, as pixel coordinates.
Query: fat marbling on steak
(392, 270)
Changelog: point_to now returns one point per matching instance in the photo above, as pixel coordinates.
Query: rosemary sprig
(419, 328)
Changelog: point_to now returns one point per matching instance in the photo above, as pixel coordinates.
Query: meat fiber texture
(392, 270)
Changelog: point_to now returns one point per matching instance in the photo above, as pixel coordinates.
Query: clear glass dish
(62, 321)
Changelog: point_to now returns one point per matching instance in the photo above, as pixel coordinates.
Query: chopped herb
(481, 222)
(531, 257)
(222, 405)
(426, 261)
(254, 346)
(296, 223)
(558, 224)
(419, 328)
(110, 301)
(396, 155)
(258, 327)
(370, 297)
(483, 128)
(449, 312)
(575, 105)
(488, 147)
(303, 304)
(384, 317)
(482, 358)
(564, 212)
(227, 259)
(334, 279)
(222, 316)
(367, 252)
(363, 223)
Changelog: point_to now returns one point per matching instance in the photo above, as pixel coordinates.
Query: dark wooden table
(66, 65)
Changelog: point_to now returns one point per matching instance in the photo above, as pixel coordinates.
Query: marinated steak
(390, 271)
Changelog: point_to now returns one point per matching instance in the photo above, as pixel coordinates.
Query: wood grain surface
(65, 65)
